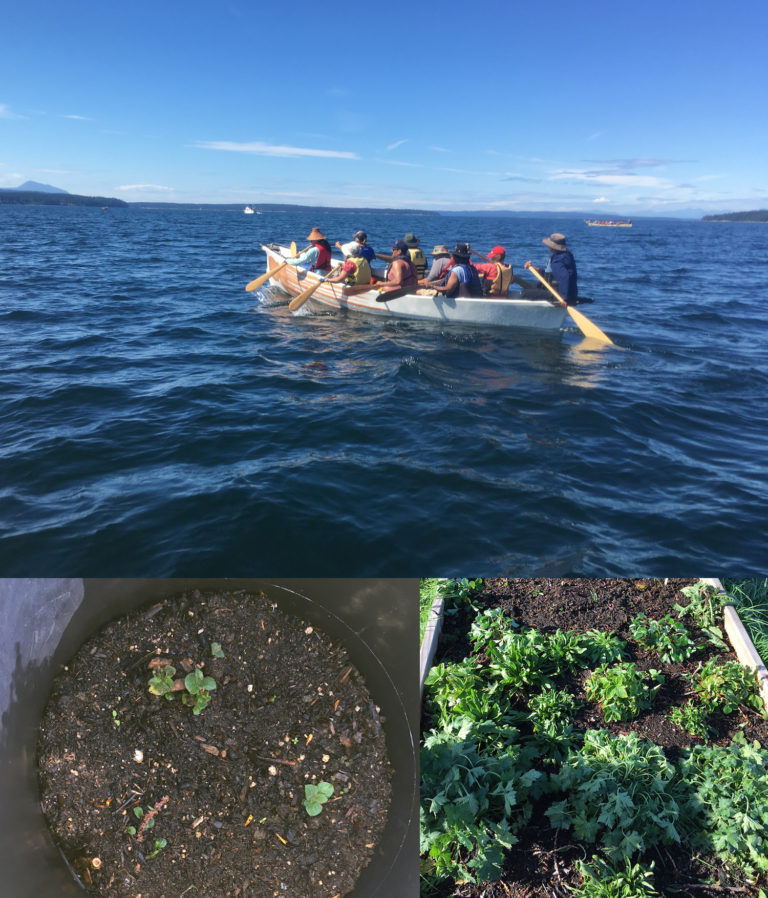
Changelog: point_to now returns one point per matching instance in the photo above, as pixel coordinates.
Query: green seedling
(162, 682)
(727, 685)
(623, 691)
(603, 880)
(216, 650)
(315, 796)
(692, 718)
(666, 636)
(705, 606)
(159, 845)
(138, 813)
(199, 688)
(115, 718)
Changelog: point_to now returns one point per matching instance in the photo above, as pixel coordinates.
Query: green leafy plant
(705, 606)
(472, 803)
(216, 650)
(623, 691)
(315, 796)
(460, 593)
(604, 880)
(724, 802)
(692, 718)
(666, 636)
(617, 793)
(491, 625)
(460, 690)
(603, 648)
(162, 681)
(159, 844)
(115, 718)
(199, 688)
(551, 715)
(726, 685)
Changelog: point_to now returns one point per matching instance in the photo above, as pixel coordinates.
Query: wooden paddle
(386, 295)
(257, 282)
(581, 321)
(298, 301)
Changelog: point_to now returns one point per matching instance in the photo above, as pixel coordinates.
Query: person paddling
(402, 272)
(355, 270)
(316, 257)
(498, 276)
(560, 271)
(463, 279)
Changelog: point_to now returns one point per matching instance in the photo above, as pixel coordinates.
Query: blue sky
(644, 108)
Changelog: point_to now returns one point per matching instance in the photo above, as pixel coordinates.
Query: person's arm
(450, 286)
(346, 269)
(308, 256)
(383, 257)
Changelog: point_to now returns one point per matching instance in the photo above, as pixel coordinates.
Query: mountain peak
(39, 188)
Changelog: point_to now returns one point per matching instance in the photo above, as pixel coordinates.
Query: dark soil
(542, 863)
(224, 788)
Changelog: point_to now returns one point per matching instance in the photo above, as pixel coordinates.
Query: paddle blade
(257, 282)
(298, 301)
(293, 247)
(587, 327)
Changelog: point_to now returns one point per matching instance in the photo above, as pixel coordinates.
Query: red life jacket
(323, 261)
(410, 275)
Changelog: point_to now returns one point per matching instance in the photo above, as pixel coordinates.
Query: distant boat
(599, 223)
(249, 210)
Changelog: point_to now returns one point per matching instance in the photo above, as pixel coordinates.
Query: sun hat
(401, 245)
(555, 242)
(316, 234)
(354, 251)
(441, 250)
(361, 236)
(496, 251)
(411, 240)
(461, 249)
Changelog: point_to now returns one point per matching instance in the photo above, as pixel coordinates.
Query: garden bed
(528, 726)
(265, 774)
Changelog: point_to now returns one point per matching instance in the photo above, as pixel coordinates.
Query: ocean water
(157, 420)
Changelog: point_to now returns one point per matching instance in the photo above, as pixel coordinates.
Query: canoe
(538, 314)
(607, 224)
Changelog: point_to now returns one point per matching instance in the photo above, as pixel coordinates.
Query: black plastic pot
(44, 622)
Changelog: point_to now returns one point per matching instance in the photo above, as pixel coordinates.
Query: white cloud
(153, 187)
(7, 112)
(397, 143)
(621, 180)
(440, 149)
(264, 149)
(600, 199)
(77, 118)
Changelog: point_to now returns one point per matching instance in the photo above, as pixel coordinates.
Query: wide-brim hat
(411, 240)
(461, 249)
(556, 242)
(441, 250)
(316, 234)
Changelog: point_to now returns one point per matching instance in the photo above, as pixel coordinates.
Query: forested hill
(759, 215)
(44, 198)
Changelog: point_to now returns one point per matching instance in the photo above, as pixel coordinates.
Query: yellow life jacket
(500, 284)
(362, 272)
(419, 260)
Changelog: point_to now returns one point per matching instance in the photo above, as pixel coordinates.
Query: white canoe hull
(520, 313)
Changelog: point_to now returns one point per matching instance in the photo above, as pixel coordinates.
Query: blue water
(157, 420)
